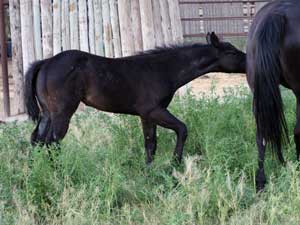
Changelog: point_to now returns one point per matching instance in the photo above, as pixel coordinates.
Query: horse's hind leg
(297, 129)
(39, 134)
(60, 123)
(149, 130)
(260, 173)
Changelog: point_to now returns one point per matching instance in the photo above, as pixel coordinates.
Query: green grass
(99, 175)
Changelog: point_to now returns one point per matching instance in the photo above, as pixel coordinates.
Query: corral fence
(230, 19)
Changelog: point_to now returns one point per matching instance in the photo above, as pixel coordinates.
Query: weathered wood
(47, 28)
(114, 18)
(17, 64)
(37, 29)
(174, 12)
(177, 35)
(91, 26)
(166, 22)
(126, 28)
(83, 26)
(56, 26)
(99, 43)
(157, 21)
(107, 30)
(28, 52)
(74, 33)
(3, 59)
(147, 24)
(65, 26)
(136, 25)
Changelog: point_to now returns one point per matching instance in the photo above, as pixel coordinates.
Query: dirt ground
(218, 81)
(199, 86)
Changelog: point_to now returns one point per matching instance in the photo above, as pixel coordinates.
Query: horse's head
(230, 59)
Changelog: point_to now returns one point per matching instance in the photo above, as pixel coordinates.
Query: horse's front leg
(260, 174)
(164, 118)
(149, 130)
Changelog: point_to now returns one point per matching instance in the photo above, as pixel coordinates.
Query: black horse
(141, 85)
(273, 58)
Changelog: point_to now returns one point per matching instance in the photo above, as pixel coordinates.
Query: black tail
(268, 107)
(33, 109)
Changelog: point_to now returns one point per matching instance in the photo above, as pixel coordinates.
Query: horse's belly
(114, 105)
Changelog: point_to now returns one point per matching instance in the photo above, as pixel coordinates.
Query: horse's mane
(170, 48)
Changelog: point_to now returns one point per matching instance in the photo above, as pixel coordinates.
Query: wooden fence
(111, 28)
(229, 18)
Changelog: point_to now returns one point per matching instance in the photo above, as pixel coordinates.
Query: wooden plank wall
(213, 11)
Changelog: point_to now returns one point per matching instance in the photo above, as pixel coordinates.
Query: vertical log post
(37, 29)
(99, 43)
(91, 26)
(65, 26)
(28, 51)
(17, 64)
(157, 21)
(175, 21)
(83, 26)
(126, 28)
(47, 28)
(114, 18)
(107, 29)
(3, 45)
(147, 24)
(136, 25)
(56, 26)
(166, 22)
(74, 33)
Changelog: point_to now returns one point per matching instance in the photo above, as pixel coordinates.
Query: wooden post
(175, 21)
(176, 31)
(157, 21)
(107, 30)
(47, 28)
(91, 26)
(136, 25)
(74, 34)
(56, 26)
(65, 26)
(147, 24)
(3, 44)
(126, 28)
(114, 18)
(83, 26)
(37, 29)
(99, 44)
(28, 51)
(17, 64)
(166, 22)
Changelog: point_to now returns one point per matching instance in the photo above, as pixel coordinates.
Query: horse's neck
(194, 69)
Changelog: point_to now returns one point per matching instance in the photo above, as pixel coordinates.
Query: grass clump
(99, 176)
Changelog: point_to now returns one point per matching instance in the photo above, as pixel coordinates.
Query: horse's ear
(214, 40)
(208, 38)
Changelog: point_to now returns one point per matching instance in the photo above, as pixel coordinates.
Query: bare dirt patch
(217, 81)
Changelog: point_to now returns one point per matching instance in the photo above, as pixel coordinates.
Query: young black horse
(273, 58)
(141, 85)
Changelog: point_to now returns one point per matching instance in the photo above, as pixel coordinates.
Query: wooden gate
(228, 18)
